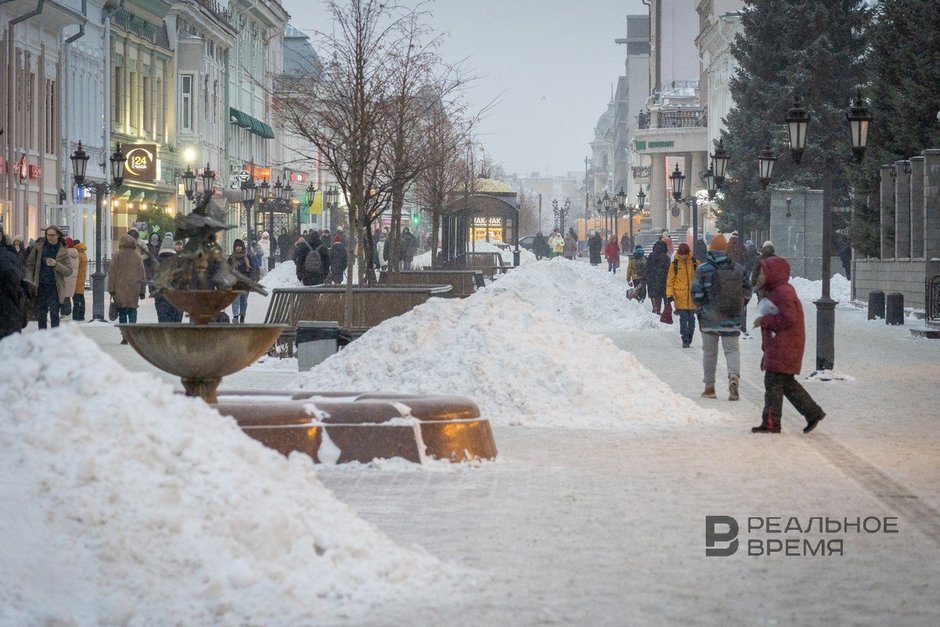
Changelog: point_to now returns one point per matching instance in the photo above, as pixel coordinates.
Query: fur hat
(683, 249)
(168, 244)
(718, 243)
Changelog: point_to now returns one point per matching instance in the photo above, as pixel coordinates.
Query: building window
(148, 105)
(51, 133)
(133, 90)
(161, 108)
(117, 77)
(186, 102)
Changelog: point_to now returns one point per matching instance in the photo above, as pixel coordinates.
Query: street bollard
(876, 304)
(894, 310)
(316, 340)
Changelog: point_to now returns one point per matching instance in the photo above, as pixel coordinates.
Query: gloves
(669, 299)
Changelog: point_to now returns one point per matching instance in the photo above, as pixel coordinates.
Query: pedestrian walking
(313, 260)
(679, 291)
(540, 246)
(339, 259)
(264, 251)
(19, 247)
(284, 245)
(657, 271)
(240, 262)
(626, 245)
(408, 247)
(612, 254)
(168, 258)
(127, 278)
(571, 247)
(12, 301)
(780, 319)
(720, 289)
(666, 239)
(47, 268)
(700, 249)
(595, 245)
(78, 300)
(66, 308)
(636, 273)
(556, 243)
(766, 251)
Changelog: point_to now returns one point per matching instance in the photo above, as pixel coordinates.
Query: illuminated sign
(141, 164)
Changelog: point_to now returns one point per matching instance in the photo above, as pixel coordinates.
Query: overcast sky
(550, 64)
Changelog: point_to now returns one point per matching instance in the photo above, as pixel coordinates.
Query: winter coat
(82, 275)
(679, 281)
(11, 292)
(556, 243)
(540, 245)
(657, 270)
(61, 270)
(240, 262)
(71, 279)
(700, 250)
(711, 319)
(636, 270)
(301, 248)
(284, 243)
(595, 244)
(264, 244)
(408, 245)
(750, 258)
(612, 252)
(783, 335)
(338, 261)
(126, 274)
(571, 247)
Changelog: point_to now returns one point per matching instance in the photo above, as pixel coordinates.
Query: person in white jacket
(265, 245)
(70, 279)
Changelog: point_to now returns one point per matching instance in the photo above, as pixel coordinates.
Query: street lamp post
(797, 122)
(640, 203)
(622, 206)
(100, 190)
(310, 195)
(690, 201)
(249, 192)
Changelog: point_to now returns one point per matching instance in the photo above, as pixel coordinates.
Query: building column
(657, 197)
(931, 203)
(887, 201)
(917, 208)
(902, 210)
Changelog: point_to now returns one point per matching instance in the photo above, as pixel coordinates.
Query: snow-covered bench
(464, 282)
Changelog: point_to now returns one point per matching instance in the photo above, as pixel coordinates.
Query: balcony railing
(640, 171)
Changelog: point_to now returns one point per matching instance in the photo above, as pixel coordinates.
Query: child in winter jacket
(783, 339)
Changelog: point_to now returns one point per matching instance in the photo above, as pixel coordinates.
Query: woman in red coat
(612, 253)
(783, 335)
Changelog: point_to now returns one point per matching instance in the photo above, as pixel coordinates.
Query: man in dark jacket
(338, 260)
(595, 245)
(11, 289)
(301, 249)
(657, 269)
(408, 247)
(540, 246)
(315, 273)
(780, 319)
(285, 245)
(720, 290)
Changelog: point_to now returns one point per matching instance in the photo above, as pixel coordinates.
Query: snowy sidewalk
(606, 526)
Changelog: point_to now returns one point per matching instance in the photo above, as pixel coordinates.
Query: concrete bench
(371, 306)
(464, 282)
(487, 263)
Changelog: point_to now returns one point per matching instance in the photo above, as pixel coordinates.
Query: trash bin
(894, 308)
(876, 304)
(316, 340)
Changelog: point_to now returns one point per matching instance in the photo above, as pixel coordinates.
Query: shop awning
(252, 124)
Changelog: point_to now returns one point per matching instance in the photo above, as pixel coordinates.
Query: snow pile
(283, 275)
(584, 296)
(123, 503)
(840, 288)
(519, 364)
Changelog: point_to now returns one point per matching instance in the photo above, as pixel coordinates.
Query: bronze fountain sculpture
(202, 284)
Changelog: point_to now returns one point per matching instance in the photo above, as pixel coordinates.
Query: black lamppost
(515, 231)
(678, 178)
(249, 192)
(309, 196)
(100, 190)
(640, 203)
(622, 206)
(797, 122)
(280, 202)
(555, 210)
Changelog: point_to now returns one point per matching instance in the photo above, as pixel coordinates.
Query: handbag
(66, 308)
(666, 316)
(112, 311)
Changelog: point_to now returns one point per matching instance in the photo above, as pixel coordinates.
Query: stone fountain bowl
(202, 305)
(201, 354)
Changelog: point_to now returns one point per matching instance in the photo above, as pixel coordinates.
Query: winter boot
(733, 388)
(241, 319)
(768, 425)
(812, 422)
(709, 392)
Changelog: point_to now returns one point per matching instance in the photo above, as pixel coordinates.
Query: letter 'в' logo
(712, 536)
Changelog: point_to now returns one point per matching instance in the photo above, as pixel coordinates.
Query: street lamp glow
(797, 120)
(859, 119)
(765, 165)
(189, 154)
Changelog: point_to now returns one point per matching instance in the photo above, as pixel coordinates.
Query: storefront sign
(258, 173)
(35, 171)
(484, 221)
(141, 164)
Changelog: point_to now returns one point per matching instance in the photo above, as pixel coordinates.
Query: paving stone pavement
(607, 527)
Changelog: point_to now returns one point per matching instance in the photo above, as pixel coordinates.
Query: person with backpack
(780, 319)
(720, 289)
(316, 262)
(657, 271)
(679, 291)
(339, 259)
